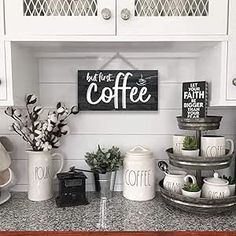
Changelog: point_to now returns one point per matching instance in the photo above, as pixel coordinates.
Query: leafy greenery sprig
(103, 161)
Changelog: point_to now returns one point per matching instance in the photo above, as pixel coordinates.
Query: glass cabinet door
(60, 17)
(172, 17)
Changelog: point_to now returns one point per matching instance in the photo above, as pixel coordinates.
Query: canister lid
(139, 151)
(216, 180)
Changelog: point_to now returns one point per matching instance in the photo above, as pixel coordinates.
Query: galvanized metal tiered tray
(199, 163)
(207, 123)
(197, 205)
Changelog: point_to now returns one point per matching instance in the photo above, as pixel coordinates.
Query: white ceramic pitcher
(40, 174)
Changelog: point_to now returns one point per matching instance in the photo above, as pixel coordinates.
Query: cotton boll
(9, 111)
(65, 129)
(52, 118)
(49, 128)
(45, 125)
(38, 132)
(60, 110)
(17, 112)
(46, 146)
(38, 110)
(31, 99)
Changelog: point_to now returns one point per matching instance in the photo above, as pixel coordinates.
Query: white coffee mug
(214, 146)
(178, 140)
(7, 179)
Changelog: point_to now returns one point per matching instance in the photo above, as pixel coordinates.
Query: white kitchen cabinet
(18, 73)
(172, 17)
(3, 81)
(231, 78)
(1, 19)
(60, 17)
(116, 17)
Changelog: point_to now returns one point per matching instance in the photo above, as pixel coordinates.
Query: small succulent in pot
(42, 134)
(230, 179)
(103, 161)
(190, 147)
(232, 184)
(191, 190)
(191, 187)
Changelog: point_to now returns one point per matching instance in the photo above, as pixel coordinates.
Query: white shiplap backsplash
(58, 82)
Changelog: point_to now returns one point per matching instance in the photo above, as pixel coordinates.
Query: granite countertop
(117, 214)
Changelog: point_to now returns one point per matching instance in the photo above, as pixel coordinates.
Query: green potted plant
(232, 184)
(104, 163)
(191, 190)
(190, 147)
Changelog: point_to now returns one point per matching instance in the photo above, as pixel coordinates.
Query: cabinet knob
(106, 14)
(125, 14)
(234, 81)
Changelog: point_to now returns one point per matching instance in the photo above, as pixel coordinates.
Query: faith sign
(102, 90)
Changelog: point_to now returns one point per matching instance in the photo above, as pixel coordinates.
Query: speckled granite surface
(120, 214)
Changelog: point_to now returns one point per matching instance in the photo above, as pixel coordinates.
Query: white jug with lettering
(139, 175)
(40, 174)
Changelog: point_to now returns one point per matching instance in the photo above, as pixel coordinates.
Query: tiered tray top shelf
(200, 124)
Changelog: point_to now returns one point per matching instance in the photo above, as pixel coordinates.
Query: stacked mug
(211, 145)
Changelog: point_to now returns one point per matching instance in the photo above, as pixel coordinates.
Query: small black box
(71, 189)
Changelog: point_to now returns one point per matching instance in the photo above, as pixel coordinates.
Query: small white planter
(190, 153)
(191, 194)
(232, 189)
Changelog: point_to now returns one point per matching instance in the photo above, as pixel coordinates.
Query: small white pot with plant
(191, 190)
(104, 163)
(190, 147)
(42, 132)
(232, 184)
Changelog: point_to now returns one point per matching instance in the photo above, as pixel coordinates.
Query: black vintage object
(71, 189)
(135, 90)
(194, 99)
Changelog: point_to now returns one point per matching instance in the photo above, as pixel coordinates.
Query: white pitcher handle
(140, 148)
(231, 146)
(193, 178)
(61, 157)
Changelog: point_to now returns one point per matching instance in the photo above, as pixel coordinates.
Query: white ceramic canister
(139, 178)
(215, 187)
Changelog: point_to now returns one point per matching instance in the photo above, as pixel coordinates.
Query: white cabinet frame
(214, 23)
(1, 18)
(3, 80)
(231, 88)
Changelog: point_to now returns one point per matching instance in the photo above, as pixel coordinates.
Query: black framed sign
(194, 99)
(102, 90)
